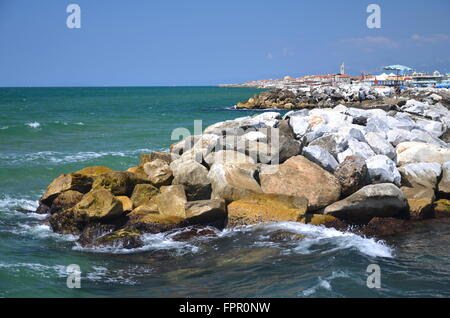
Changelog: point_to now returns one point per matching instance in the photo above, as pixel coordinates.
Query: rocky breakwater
(349, 95)
(376, 170)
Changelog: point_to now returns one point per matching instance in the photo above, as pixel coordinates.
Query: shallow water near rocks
(48, 131)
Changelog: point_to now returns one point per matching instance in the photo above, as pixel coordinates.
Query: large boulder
(142, 194)
(158, 172)
(231, 182)
(435, 128)
(164, 156)
(127, 204)
(398, 136)
(120, 183)
(302, 178)
(379, 200)
(352, 174)
(444, 184)
(419, 183)
(321, 157)
(95, 206)
(381, 169)
(179, 215)
(172, 200)
(284, 142)
(99, 204)
(194, 177)
(413, 152)
(227, 156)
(65, 200)
(66, 182)
(356, 148)
(384, 227)
(94, 171)
(177, 149)
(154, 222)
(380, 146)
(333, 143)
(206, 212)
(259, 208)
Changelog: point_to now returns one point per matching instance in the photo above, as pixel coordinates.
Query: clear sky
(205, 42)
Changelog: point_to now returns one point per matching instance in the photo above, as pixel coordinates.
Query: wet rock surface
(375, 163)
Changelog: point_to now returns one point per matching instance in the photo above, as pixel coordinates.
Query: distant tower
(342, 69)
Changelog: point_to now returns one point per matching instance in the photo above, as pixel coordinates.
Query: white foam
(160, 241)
(9, 203)
(61, 157)
(46, 271)
(318, 236)
(34, 124)
(42, 231)
(4, 127)
(323, 283)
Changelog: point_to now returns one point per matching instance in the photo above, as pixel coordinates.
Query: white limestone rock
(356, 148)
(321, 157)
(381, 169)
(380, 145)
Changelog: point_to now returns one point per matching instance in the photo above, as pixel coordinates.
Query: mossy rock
(124, 238)
(66, 182)
(127, 204)
(94, 171)
(143, 194)
(120, 183)
(261, 208)
(105, 235)
(442, 208)
(99, 204)
(317, 219)
(67, 222)
(164, 156)
(285, 236)
(155, 222)
(65, 200)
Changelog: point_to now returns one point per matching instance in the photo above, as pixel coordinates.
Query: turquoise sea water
(45, 132)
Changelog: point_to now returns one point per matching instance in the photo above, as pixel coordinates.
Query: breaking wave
(55, 157)
(316, 239)
(9, 203)
(33, 124)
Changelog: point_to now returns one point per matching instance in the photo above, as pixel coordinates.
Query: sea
(45, 132)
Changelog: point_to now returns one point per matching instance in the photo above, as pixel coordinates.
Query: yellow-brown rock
(65, 200)
(300, 177)
(99, 204)
(127, 204)
(142, 194)
(442, 208)
(172, 201)
(66, 182)
(258, 208)
(94, 171)
(118, 182)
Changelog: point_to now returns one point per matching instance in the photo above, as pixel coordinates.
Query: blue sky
(207, 42)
